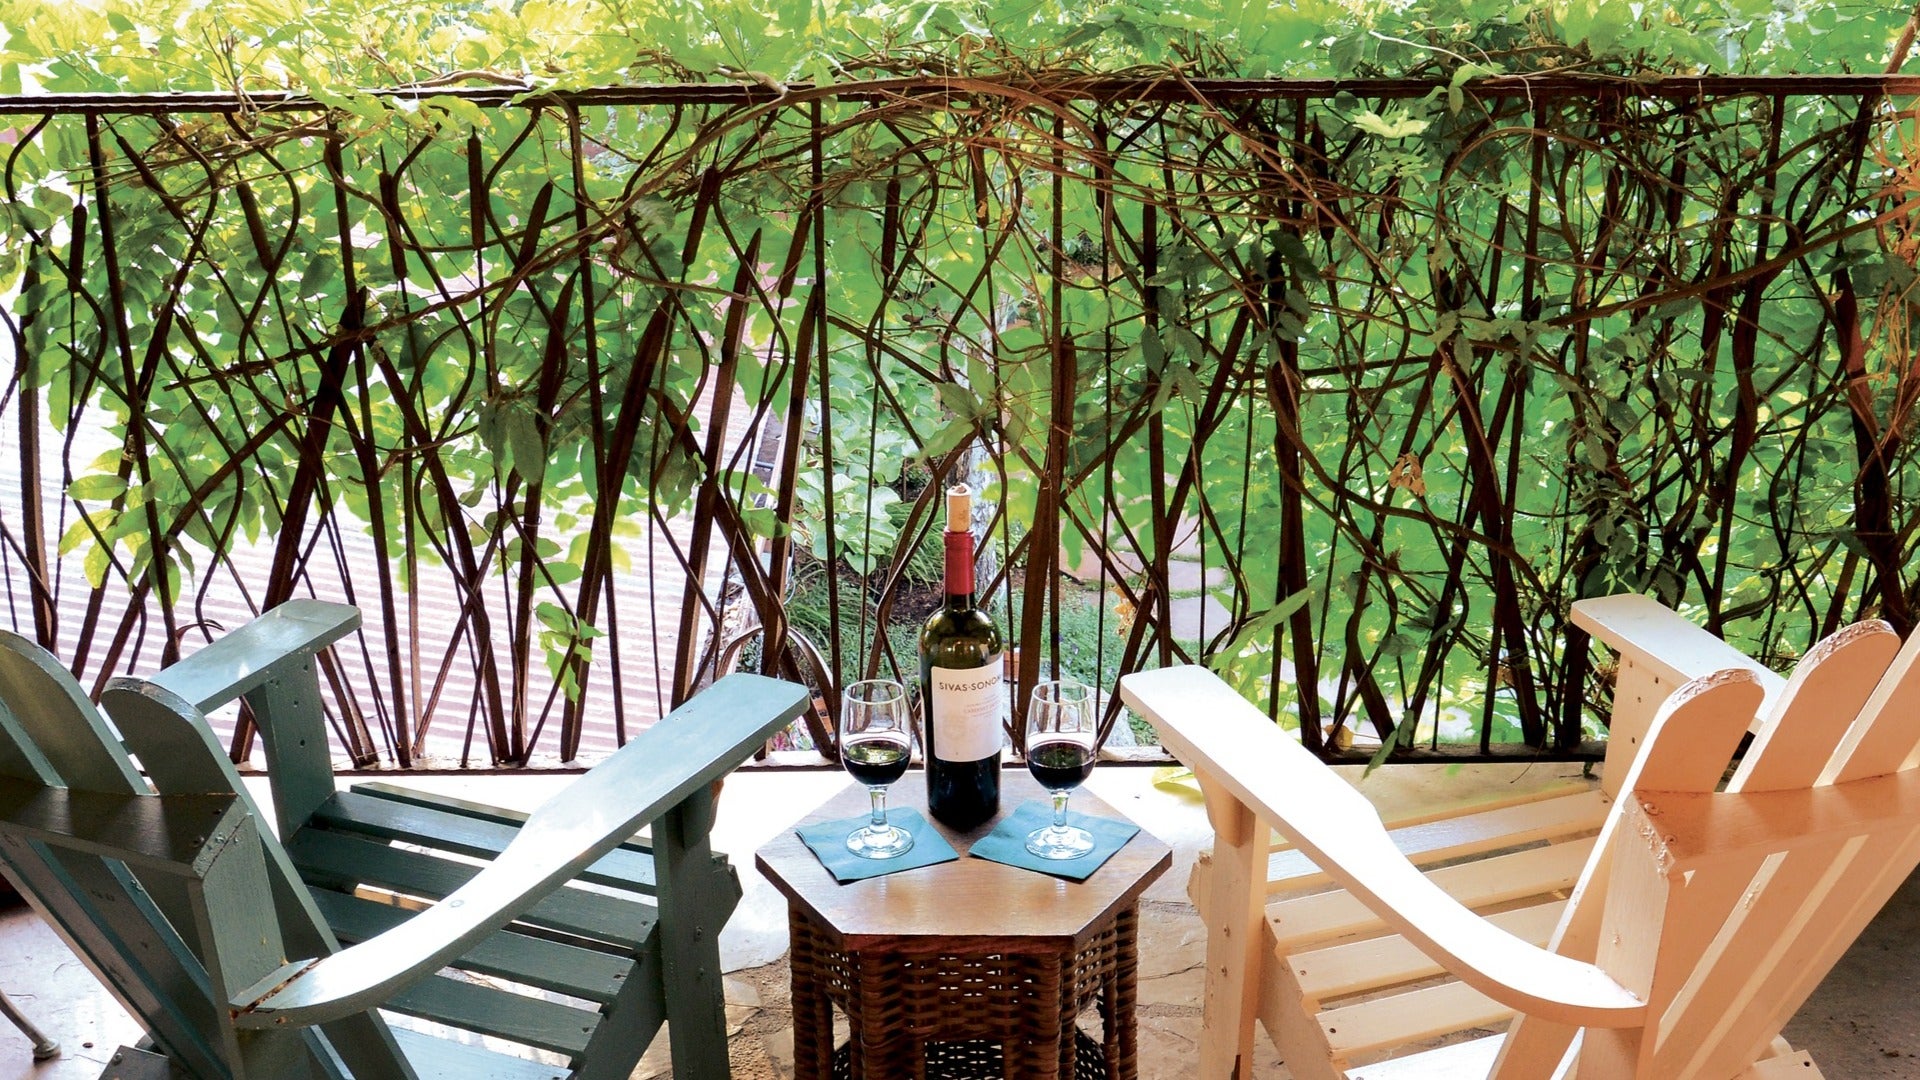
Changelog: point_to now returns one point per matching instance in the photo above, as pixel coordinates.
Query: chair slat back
(1689, 745)
(1887, 735)
(54, 727)
(1690, 740)
(168, 732)
(1784, 927)
(121, 926)
(1824, 696)
(164, 729)
(1690, 945)
(1744, 941)
(20, 759)
(147, 936)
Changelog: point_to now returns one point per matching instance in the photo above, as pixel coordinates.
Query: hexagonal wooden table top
(969, 900)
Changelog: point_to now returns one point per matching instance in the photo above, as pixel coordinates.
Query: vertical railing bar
(710, 491)
(473, 623)
(33, 542)
(654, 527)
(96, 597)
(1056, 302)
(774, 636)
(1874, 441)
(816, 166)
(889, 244)
(1282, 391)
(517, 597)
(1574, 654)
(402, 746)
(1104, 178)
(596, 399)
(1155, 588)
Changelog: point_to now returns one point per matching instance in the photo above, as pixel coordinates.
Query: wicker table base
(977, 1060)
(968, 968)
(942, 1013)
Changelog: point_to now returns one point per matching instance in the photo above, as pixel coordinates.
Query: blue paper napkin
(828, 840)
(1007, 843)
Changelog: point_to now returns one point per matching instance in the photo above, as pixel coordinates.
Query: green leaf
(1187, 343)
(553, 616)
(1262, 629)
(947, 439)
(1456, 94)
(82, 530)
(529, 447)
(1398, 125)
(1403, 735)
(1093, 28)
(96, 564)
(100, 487)
(959, 399)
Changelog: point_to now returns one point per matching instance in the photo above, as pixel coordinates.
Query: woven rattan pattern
(898, 1001)
(978, 1060)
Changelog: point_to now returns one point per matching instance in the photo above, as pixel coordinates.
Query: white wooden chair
(1697, 922)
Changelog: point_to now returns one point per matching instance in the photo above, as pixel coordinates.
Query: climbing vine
(1535, 303)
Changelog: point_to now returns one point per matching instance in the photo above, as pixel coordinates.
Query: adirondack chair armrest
(240, 660)
(677, 758)
(1649, 633)
(1239, 751)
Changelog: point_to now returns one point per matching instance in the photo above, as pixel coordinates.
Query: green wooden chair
(247, 956)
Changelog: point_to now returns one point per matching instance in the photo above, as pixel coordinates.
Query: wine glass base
(880, 841)
(1062, 843)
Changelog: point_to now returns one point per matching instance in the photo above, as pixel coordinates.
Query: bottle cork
(959, 508)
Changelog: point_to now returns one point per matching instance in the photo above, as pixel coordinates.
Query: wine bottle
(960, 676)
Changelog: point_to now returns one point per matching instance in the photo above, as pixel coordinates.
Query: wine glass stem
(1060, 809)
(878, 795)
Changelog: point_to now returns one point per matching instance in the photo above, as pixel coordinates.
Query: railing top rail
(1065, 87)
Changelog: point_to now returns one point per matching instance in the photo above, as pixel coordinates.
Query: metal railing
(1347, 387)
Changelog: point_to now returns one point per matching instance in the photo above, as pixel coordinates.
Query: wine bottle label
(966, 708)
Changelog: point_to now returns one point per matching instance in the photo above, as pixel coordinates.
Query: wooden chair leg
(1233, 912)
(694, 902)
(1293, 1023)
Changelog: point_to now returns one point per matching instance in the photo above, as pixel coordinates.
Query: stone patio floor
(1860, 1025)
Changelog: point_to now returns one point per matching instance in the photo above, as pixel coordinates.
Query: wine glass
(1061, 740)
(876, 743)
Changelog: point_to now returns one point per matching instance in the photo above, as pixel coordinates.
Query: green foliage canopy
(1456, 359)
(338, 47)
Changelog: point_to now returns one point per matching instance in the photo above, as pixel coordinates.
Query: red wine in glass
(876, 742)
(1062, 737)
(876, 761)
(1060, 766)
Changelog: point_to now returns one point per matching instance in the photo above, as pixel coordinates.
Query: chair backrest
(54, 743)
(1724, 909)
(157, 886)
